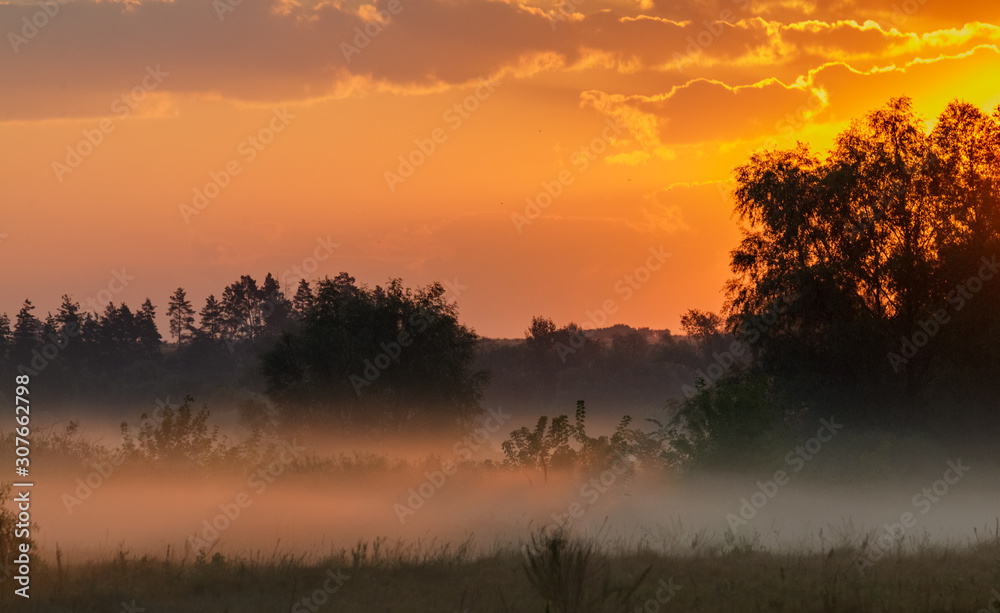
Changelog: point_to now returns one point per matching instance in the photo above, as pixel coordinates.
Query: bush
(177, 438)
(541, 449)
(728, 423)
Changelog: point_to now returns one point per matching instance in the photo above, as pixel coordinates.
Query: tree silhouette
(863, 248)
(379, 358)
(25, 337)
(303, 300)
(180, 313)
(240, 303)
(213, 320)
(148, 337)
(6, 338)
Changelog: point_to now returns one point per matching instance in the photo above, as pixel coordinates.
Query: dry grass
(379, 576)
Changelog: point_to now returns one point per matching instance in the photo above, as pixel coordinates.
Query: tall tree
(5, 340)
(148, 336)
(25, 337)
(241, 304)
(274, 307)
(857, 248)
(303, 300)
(213, 319)
(180, 313)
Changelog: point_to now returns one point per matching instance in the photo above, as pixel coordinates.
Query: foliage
(117, 355)
(862, 249)
(379, 359)
(176, 438)
(543, 449)
(722, 424)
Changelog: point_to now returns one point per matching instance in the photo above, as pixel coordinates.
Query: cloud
(266, 51)
(704, 111)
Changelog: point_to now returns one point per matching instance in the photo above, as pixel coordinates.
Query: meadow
(549, 576)
(326, 533)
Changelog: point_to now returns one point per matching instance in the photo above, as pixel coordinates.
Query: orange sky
(633, 113)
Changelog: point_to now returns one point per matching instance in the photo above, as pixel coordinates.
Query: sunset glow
(529, 153)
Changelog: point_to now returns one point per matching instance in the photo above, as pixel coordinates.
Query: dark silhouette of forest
(880, 262)
(864, 283)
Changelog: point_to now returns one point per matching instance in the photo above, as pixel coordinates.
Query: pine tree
(273, 306)
(68, 316)
(213, 319)
(148, 336)
(303, 301)
(240, 302)
(180, 313)
(26, 335)
(5, 339)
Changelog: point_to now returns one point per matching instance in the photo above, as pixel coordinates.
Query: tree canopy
(375, 358)
(882, 253)
(382, 358)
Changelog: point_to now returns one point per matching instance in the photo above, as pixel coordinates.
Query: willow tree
(862, 248)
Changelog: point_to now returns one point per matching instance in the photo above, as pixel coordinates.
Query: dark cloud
(88, 53)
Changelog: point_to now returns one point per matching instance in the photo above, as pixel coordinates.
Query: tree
(540, 335)
(213, 320)
(5, 339)
(25, 338)
(70, 325)
(69, 316)
(240, 302)
(857, 252)
(706, 330)
(550, 348)
(180, 313)
(303, 300)
(275, 309)
(380, 358)
(148, 336)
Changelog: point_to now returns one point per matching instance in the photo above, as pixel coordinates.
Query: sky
(571, 160)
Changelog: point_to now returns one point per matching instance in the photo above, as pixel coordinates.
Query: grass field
(549, 574)
(948, 561)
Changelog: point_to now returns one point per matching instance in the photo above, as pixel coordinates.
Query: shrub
(730, 422)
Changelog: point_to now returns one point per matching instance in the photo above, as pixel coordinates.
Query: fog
(424, 493)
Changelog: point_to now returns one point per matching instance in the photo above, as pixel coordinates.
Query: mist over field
(325, 493)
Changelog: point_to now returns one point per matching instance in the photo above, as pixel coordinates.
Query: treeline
(338, 353)
(119, 354)
(617, 369)
(334, 352)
